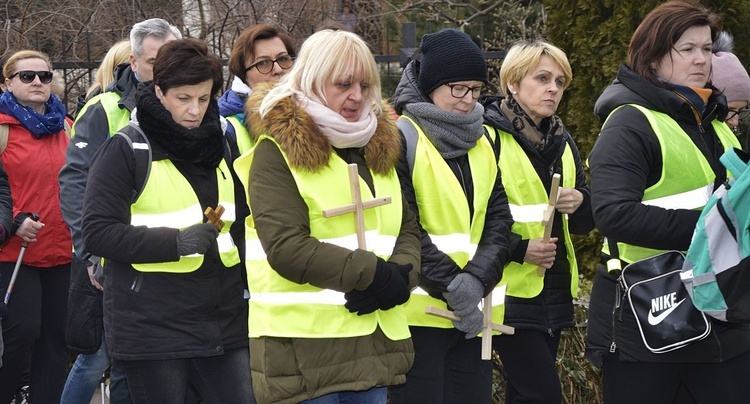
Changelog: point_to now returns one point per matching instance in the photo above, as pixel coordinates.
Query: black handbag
(663, 310)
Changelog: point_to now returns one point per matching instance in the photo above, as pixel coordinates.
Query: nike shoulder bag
(664, 313)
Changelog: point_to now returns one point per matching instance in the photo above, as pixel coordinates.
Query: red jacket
(32, 165)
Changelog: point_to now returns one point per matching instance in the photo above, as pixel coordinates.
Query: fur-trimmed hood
(306, 147)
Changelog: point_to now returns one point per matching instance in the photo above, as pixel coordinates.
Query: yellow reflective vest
(444, 214)
(687, 179)
(168, 200)
(528, 199)
(242, 136)
(282, 308)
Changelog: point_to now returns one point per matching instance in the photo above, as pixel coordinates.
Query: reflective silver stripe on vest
(326, 296)
(453, 243)
(498, 295)
(177, 219)
(381, 245)
(694, 199)
(225, 242)
(528, 213)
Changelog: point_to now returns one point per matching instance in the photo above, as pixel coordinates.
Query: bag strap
(735, 160)
(410, 140)
(142, 150)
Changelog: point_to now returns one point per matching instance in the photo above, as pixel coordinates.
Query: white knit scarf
(341, 133)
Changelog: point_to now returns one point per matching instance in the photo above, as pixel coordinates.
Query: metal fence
(77, 75)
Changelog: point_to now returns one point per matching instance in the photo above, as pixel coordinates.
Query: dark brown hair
(185, 62)
(661, 29)
(245, 45)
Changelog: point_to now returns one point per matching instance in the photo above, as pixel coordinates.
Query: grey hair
(724, 42)
(155, 27)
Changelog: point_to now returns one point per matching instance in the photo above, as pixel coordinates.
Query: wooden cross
(487, 328)
(357, 206)
(214, 216)
(549, 215)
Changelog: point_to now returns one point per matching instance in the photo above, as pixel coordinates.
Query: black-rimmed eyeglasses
(460, 91)
(27, 76)
(742, 113)
(266, 66)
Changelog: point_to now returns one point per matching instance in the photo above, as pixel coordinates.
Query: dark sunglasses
(265, 66)
(27, 76)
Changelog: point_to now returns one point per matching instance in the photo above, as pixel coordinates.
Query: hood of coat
(630, 88)
(126, 85)
(408, 90)
(306, 147)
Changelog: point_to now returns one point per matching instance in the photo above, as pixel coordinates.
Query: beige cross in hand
(549, 214)
(214, 216)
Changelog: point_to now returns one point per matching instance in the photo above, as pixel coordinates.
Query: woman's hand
(29, 229)
(569, 201)
(541, 253)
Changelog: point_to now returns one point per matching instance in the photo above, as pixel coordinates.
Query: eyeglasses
(27, 76)
(266, 66)
(460, 91)
(742, 113)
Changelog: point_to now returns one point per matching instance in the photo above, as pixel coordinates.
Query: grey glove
(196, 239)
(471, 322)
(464, 293)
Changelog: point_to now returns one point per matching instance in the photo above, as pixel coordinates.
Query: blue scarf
(39, 125)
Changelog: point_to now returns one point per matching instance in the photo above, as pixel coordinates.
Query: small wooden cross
(214, 216)
(487, 328)
(549, 215)
(357, 206)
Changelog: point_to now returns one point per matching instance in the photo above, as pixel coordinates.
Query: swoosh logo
(654, 320)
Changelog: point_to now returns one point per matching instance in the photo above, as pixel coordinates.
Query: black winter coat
(626, 160)
(156, 315)
(552, 309)
(493, 250)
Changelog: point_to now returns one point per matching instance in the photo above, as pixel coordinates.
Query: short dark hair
(245, 45)
(185, 62)
(661, 29)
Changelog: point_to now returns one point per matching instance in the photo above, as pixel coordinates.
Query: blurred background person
(348, 19)
(34, 329)
(262, 53)
(730, 77)
(85, 326)
(174, 312)
(534, 144)
(647, 198)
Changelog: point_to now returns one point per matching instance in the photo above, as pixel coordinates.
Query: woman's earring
(514, 92)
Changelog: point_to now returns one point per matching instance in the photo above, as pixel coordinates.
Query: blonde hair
(119, 53)
(326, 57)
(10, 64)
(524, 56)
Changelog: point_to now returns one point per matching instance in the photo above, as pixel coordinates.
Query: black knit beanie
(448, 56)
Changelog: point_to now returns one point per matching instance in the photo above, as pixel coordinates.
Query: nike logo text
(665, 303)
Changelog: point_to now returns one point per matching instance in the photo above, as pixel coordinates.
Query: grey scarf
(452, 134)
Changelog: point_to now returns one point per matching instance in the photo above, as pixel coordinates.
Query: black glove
(361, 301)
(390, 284)
(196, 239)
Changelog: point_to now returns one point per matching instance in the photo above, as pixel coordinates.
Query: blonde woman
(326, 318)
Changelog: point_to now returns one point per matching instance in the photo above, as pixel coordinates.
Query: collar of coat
(306, 147)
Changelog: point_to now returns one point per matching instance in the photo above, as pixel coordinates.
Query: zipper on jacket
(136, 285)
(615, 310)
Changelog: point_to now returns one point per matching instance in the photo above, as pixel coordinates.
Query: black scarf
(202, 146)
(523, 124)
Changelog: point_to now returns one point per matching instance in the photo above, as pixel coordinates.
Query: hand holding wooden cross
(214, 216)
(549, 215)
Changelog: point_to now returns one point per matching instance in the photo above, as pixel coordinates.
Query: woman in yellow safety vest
(174, 311)
(653, 168)
(326, 290)
(450, 177)
(534, 145)
(261, 54)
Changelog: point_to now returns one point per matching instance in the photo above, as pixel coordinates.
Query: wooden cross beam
(549, 215)
(487, 328)
(357, 206)
(214, 216)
